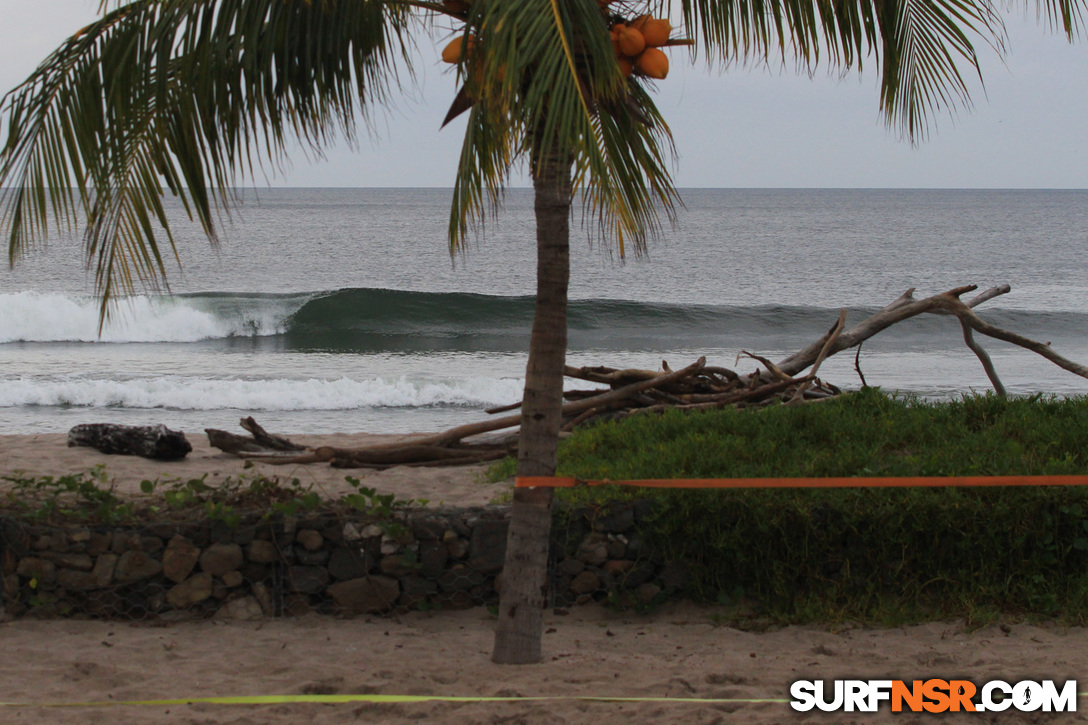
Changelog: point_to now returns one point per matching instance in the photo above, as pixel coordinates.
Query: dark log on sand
(148, 441)
(261, 441)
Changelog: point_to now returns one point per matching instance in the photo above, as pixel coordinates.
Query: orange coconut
(627, 66)
(653, 63)
(656, 32)
(453, 53)
(630, 41)
(614, 33)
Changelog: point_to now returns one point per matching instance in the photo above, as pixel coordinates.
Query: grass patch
(883, 555)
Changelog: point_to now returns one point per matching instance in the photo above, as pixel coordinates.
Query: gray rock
(585, 583)
(366, 594)
(429, 529)
(9, 588)
(296, 605)
(432, 558)
(218, 559)
(415, 590)
(135, 565)
(79, 562)
(51, 542)
(76, 581)
(180, 557)
(262, 552)
(36, 568)
(645, 593)
(99, 543)
(307, 579)
(150, 544)
(264, 598)
(355, 532)
(594, 549)
(398, 565)
(125, 541)
(233, 579)
(162, 530)
(487, 548)
(618, 567)
(456, 547)
(192, 591)
(311, 540)
(349, 564)
(15, 537)
(617, 548)
(246, 609)
(104, 567)
(570, 567)
(311, 558)
(219, 589)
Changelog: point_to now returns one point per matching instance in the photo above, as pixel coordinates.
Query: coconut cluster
(638, 46)
(637, 43)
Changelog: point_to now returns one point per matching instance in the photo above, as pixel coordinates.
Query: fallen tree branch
(833, 335)
(984, 358)
(962, 311)
(904, 307)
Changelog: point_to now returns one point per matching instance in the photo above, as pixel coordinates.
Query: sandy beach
(677, 651)
(49, 455)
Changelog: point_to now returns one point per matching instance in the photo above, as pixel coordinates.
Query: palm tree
(189, 96)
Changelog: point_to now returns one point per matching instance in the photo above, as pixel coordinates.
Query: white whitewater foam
(183, 393)
(37, 317)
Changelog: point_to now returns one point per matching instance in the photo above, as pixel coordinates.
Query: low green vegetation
(881, 555)
(89, 498)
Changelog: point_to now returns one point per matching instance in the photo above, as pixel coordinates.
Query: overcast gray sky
(743, 128)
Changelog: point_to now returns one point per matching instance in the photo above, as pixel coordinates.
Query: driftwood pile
(631, 391)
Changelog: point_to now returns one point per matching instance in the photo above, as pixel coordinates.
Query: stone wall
(327, 562)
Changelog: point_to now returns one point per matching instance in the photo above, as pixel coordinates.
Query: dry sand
(676, 652)
(49, 455)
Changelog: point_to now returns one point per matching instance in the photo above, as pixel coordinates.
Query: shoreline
(48, 454)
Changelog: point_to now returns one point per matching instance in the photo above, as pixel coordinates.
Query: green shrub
(887, 554)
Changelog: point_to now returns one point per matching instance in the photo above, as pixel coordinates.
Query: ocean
(341, 310)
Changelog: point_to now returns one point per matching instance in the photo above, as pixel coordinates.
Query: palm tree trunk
(524, 583)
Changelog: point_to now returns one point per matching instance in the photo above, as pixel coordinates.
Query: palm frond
(185, 96)
(923, 42)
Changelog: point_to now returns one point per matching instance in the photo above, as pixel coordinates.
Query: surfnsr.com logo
(933, 695)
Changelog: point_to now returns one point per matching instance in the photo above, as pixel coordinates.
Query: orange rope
(860, 482)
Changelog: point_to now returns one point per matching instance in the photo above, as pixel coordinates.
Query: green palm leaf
(190, 95)
(920, 45)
